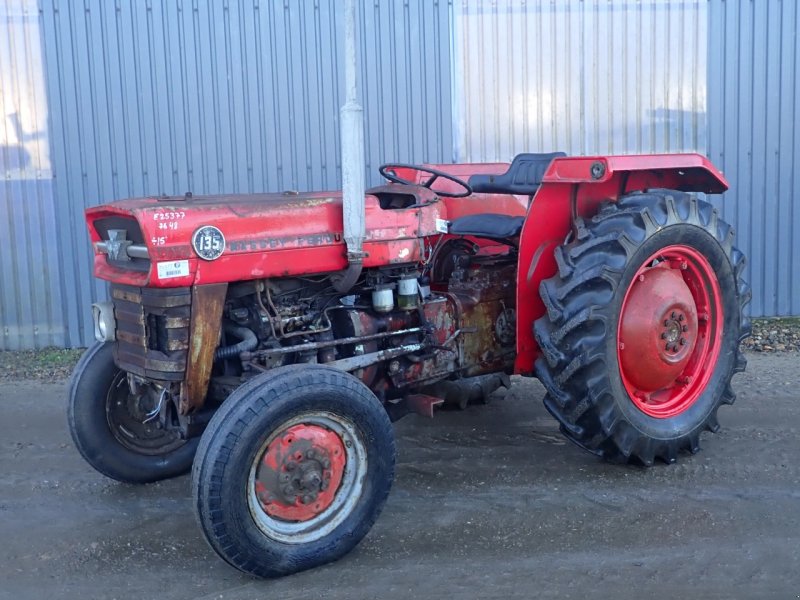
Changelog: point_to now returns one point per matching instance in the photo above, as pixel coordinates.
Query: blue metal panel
(582, 76)
(103, 99)
(30, 299)
(752, 112)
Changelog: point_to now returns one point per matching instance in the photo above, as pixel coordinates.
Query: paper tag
(442, 225)
(172, 269)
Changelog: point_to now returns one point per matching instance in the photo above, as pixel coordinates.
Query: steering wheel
(387, 171)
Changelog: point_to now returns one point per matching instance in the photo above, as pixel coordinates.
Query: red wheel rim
(670, 331)
(300, 472)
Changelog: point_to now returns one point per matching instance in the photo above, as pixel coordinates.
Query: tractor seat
(523, 176)
(487, 225)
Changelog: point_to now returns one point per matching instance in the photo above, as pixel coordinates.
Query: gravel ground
(490, 502)
(774, 335)
(49, 364)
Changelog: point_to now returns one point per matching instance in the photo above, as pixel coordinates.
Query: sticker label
(442, 225)
(172, 269)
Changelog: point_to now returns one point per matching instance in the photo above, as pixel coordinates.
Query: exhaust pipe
(352, 135)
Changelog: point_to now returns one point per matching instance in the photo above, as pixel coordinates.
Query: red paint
(284, 235)
(285, 456)
(549, 217)
(678, 299)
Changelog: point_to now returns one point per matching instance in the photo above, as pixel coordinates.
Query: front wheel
(111, 426)
(643, 324)
(293, 470)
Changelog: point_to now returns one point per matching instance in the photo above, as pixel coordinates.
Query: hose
(249, 342)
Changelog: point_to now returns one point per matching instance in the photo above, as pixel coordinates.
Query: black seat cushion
(523, 176)
(487, 225)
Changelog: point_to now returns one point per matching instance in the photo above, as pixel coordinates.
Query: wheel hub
(658, 329)
(670, 329)
(300, 472)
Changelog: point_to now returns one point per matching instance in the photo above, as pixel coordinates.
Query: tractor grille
(152, 330)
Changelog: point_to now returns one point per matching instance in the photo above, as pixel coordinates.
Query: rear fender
(575, 187)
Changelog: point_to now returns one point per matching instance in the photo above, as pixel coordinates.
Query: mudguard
(575, 187)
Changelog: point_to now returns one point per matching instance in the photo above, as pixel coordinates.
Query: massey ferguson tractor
(249, 340)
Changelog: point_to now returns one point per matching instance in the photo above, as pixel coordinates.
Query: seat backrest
(523, 176)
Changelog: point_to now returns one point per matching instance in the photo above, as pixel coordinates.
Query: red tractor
(250, 339)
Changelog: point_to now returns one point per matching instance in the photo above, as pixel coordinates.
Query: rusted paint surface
(423, 404)
(207, 304)
(152, 331)
(485, 292)
(299, 474)
(267, 235)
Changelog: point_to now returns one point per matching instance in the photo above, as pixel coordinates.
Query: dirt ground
(488, 503)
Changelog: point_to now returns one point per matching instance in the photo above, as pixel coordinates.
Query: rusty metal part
(471, 390)
(423, 404)
(132, 415)
(152, 335)
(300, 472)
(335, 342)
(482, 296)
(207, 304)
(364, 360)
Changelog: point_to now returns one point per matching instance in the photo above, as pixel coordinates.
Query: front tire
(293, 470)
(107, 426)
(643, 325)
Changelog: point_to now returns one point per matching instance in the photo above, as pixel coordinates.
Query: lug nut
(641, 277)
(284, 477)
(310, 454)
(675, 348)
(683, 341)
(667, 346)
(685, 328)
(664, 335)
(291, 466)
(673, 315)
(680, 317)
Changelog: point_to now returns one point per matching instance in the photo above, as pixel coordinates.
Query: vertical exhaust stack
(352, 135)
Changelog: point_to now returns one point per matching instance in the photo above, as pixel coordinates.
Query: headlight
(105, 325)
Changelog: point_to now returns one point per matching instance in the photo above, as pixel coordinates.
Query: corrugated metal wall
(101, 99)
(648, 76)
(150, 97)
(753, 111)
(30, 297)
(580, 76)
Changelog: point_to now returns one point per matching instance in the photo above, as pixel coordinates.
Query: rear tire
(654, 401)
(117, 453)
(293, 470)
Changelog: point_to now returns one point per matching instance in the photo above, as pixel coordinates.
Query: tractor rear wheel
(293, 470)
(643, 324)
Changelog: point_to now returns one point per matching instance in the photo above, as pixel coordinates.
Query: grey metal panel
(147, 97)
(752, 111)
(30, 302)
(582, 76)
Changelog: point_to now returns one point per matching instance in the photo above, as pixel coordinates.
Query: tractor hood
(186, 240)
